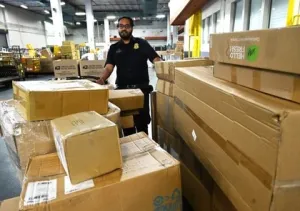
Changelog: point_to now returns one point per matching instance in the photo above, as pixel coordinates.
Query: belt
(134, 86)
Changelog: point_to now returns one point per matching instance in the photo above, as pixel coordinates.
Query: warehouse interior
(196, 110)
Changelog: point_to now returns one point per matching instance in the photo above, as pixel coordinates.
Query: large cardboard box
(165, 87)
(170, 142)
(24, 139)
(259, 48)
(10, 204)
(65, 68)
(165, 70)
(193, 190)
(127, 99)
(87, 145)
(220, 202)
(43, 100)
(92, 67)
(248, 141)
(150, 180)
(165, 115)
(127, 122)
(286, 86)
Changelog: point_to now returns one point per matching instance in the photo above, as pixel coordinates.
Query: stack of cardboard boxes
(247, 139)
(68, 50)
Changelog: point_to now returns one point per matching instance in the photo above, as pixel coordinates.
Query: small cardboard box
(92, 67)
(68, 42)
(127, 99)
(165, 70)
(67, 49)
(87, 145)
(44, 100)
(165, 87)
(271, 49)
(150, 180)
(65, 68)
(286, 86)
(127, 122)
(10, 204)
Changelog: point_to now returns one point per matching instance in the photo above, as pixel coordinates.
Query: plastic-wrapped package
(24, 139)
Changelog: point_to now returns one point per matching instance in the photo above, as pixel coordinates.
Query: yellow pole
(195, 34)
(290, 13)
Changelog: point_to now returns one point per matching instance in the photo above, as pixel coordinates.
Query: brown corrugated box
(25, 139)
(10, 204)
(274, 49)
(168, 141)
(165, 70)
(220, 202)
(68, 42)
(165, 87)
(127, 99)
(127, 122)
(254, 135)
(65, 68)
(286, 86)
(92, 67)
(150, 180)
(43, 100)
(46, 65)
(164, 115)
(87, 145)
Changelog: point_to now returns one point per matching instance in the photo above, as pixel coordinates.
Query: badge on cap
(136, 46)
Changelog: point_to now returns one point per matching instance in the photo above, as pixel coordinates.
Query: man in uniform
(130, 56)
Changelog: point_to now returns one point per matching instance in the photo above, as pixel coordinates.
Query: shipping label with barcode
(40, 192)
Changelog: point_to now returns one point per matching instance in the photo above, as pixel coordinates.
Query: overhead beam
(180, 11)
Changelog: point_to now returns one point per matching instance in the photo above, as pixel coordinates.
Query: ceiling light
(80, 13)
(95, 20)
(111, 17)
(161, 16)
(78, 23)
(1, 5)
(23, 6)
(116, 22)
(62, 3)
(51, 18)
(46, 11)
(144, 18)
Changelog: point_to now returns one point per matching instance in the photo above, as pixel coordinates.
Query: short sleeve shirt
(131, 61)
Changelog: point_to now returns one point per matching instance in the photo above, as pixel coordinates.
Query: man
(130, 56)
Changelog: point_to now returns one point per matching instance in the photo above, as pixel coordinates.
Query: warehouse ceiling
(143, 11)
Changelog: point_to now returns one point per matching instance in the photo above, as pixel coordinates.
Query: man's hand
(157, 59)
(100, 81)
(107, 72)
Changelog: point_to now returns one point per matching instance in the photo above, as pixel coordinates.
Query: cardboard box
(87, 145)
(165, 70)
(65, 49)
(65, 68)
(220, 202)
(46, 65)
(127, 122)
(150, 180)
(68, 42)
(255, 136)
(286, 86)
(46, 53)
(127, 99)
(44, 100)
(10, 204)
(194, 191)
(164, 115)
(170, 142)
(165, 87)
(259, 48)
(113, 113)
(92, 67)
(24, 139)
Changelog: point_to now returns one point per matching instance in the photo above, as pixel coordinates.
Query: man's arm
(109, 68)
(151, 53)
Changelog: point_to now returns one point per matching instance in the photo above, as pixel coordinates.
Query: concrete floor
(9, 184)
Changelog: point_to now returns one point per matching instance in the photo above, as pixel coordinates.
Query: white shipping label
(69, 188)
(194, 135)
(40, 192)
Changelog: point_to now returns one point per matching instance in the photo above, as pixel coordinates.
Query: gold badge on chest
(136, 46)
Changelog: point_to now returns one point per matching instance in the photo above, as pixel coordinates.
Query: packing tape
(233, 152)
(256, 82)
(296, 90)
(233, 74)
